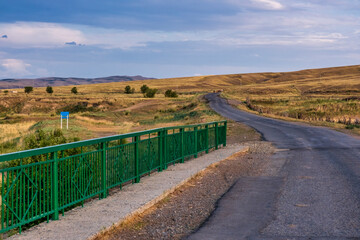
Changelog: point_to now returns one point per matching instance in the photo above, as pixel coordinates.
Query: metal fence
(38, 184)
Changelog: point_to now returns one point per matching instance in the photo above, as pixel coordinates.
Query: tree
(129, 90)
(170, 93)
(49, 89)
(28, 89)
(74, 90)
(6, 91)
(150, 93)
(144, 88)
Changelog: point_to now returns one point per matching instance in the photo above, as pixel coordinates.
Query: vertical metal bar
(48, 189)
(165, 149)
(30, 212)
(216, 135)
(196, 141)
(136, 155)
(55, 186)
(207, 138)
(2, 202)
(17, 192)
(182, 145)
(160, 149)
(38, 187)
(225, 132)
(103, 170)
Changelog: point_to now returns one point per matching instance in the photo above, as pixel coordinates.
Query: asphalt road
(314, 195)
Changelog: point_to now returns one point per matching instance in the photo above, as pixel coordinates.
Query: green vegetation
(144, 88)
(49, 90)
(74, 90)
(150, 92)
(170, 93)
(28, 89)
(129, 90)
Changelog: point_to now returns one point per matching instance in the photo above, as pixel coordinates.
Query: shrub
(150, 93)
(129, 90)
(49, 89)
(42, 139)
(74, 90)
(6, 91)
(144, 88)
(78, 107)
(28, 89)
(170, 93)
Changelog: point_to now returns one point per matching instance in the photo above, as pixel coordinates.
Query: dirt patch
(189, 206)
(241, 133)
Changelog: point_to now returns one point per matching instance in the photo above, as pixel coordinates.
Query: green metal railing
(37, 184)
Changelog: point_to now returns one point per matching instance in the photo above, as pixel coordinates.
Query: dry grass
(330, 96)
(12, 131)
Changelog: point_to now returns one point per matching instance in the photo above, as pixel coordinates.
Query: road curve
(316, 194)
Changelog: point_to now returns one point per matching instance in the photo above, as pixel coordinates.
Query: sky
(168, 38)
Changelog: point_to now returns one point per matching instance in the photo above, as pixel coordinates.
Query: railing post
(160, 149)
(196, 142)
(136, 153)
(103, 170)
(207, 139)
(165, 149)
(216, 136)
(55, 188)
(225, 130)
(182, 145)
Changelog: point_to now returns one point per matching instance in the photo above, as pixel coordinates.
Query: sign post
(64, 115)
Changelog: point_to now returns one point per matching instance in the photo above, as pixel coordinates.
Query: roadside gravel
(189, 206)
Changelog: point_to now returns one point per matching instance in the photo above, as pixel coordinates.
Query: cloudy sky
(168, 38)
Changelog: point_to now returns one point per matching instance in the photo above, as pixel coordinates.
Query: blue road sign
(64, 115)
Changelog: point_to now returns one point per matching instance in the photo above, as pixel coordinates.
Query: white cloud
(38, 35)
(15, 66)
(269, 4)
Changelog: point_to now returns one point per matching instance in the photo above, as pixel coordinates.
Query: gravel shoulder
(183, 211)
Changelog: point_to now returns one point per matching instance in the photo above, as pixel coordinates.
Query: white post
(61, 121)
(67, 122)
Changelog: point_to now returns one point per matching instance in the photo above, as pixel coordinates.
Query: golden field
(329, 96)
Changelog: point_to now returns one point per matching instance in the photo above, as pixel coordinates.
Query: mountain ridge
(10, 83)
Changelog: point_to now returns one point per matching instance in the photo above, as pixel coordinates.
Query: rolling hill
(58, 81)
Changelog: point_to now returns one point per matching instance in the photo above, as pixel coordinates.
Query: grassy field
(96, 111)
(328, 97)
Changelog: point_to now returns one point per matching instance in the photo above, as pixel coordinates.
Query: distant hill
(57, 81)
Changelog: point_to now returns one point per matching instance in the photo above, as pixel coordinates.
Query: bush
(78, 107)
(42, 139)
(129, 90)
(150, 93)
(170, 93)
(28, 89)
(74, 90)
(49, 89)
(6, 91)
(144, 88)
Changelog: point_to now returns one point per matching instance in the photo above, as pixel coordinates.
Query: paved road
(315, 195)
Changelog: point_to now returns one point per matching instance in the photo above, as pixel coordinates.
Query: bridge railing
(38, 184)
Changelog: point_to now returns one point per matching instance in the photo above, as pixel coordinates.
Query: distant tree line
(49, 89)
(144, 89)
(150, 92)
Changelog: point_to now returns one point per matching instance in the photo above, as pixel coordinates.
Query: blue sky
(166, 38)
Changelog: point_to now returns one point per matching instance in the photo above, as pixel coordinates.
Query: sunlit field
(328, 97)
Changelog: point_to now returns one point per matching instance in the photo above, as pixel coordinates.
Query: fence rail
(39, 184)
